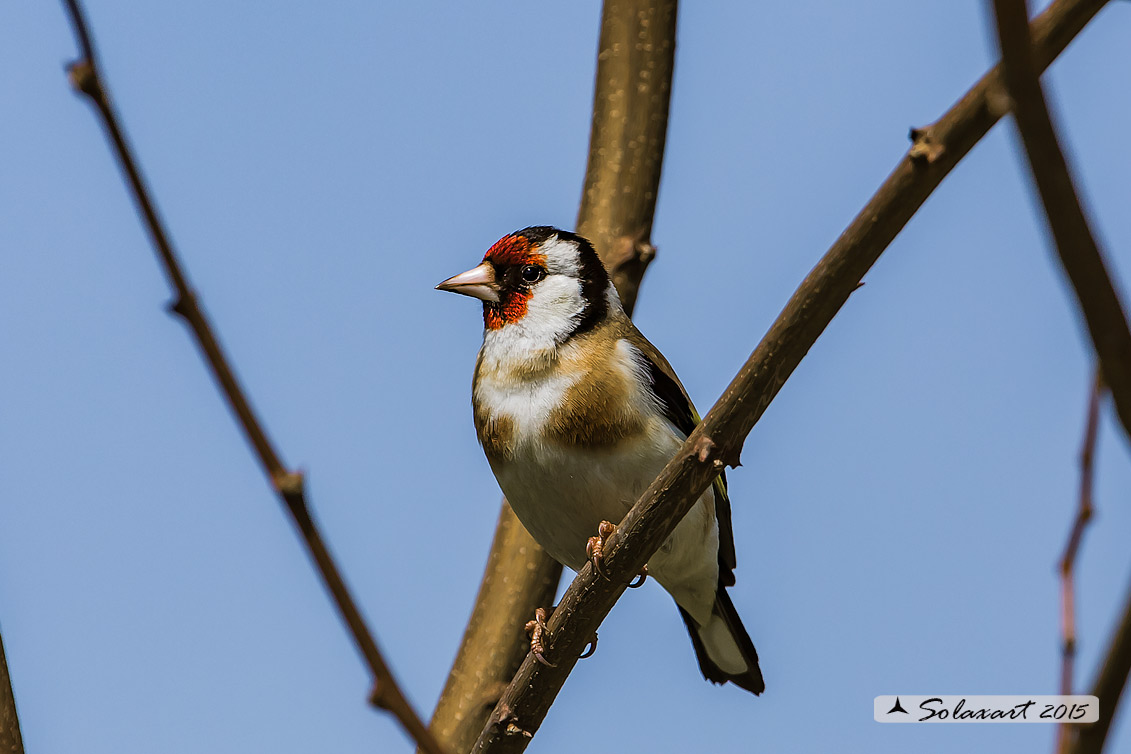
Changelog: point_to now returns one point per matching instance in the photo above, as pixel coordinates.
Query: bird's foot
(595, 550)
(536, 630)
(590, 648)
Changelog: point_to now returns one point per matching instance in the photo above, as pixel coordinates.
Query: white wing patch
(647, 400)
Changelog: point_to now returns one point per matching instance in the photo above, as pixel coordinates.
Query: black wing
(678, 409)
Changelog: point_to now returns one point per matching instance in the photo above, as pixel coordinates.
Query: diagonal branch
(1075, 244)
(1083, 262)
(635, 60)
(718, 439)
(1108, 686)
(10, 740)
(85, 77)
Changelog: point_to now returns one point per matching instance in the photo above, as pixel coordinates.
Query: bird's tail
(723, 647)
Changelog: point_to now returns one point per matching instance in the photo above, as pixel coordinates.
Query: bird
(577, 412)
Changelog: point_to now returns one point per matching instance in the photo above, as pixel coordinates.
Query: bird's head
(543, 280)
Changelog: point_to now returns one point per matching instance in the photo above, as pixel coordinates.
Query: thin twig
(10, 740)
(718, 439)
(1083, 262)
(386, 694)
(1072, 547)
(636, 56)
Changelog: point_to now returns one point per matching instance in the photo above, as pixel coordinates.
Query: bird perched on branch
(577, 413)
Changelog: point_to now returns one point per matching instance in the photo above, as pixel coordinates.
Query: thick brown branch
(386, 694)
(10, 740)
(626, 148)
(519, 578)
(1072, 548)
(1075, 243)
(720, 435)
(626, 140)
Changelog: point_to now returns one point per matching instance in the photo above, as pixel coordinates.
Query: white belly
(561, 494)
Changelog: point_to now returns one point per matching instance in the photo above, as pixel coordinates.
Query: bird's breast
(585, 398)
(561, 492)
(574, 439)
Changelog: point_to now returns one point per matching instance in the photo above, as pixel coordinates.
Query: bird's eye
(531, 273)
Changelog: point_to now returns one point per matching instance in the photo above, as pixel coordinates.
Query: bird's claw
(640, 579)
(590, 648)
(536, 630)
(595, 549)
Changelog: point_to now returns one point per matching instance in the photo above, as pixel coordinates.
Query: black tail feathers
(723, 648)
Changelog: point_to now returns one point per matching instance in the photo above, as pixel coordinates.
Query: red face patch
(509, 252)
(510, 309)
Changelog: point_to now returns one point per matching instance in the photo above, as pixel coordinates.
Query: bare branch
(721, 433)
(1083, 262)
(1072, 547)
(1075, 243)
(626, 140)
(10, 740)
(626, 147)
(1108, 687)
(386, 694)
(519, 578)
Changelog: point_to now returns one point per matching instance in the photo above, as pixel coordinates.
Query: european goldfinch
(577, 413)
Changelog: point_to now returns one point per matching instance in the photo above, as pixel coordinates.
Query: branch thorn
(703, 448)
(377, 696)
(924, 149)
(81, 75)
(633, 248)
(289, 483)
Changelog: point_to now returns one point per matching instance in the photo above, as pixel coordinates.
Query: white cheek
(561, 257)
(552, 313)
(554, 308)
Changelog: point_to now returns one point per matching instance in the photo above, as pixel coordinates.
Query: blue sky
(901, 504)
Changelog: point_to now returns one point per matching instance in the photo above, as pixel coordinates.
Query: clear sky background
(321, 166)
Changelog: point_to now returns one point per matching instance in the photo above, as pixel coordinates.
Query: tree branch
(1075, 244)
(288, 485)
(626, 139)
(1072, 548)
(10, 740)
(519, 578)
(718, 439)
(1108, 686)
(1083, 262)
(635, 59)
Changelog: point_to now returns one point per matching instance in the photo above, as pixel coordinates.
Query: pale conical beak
(478, 282)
